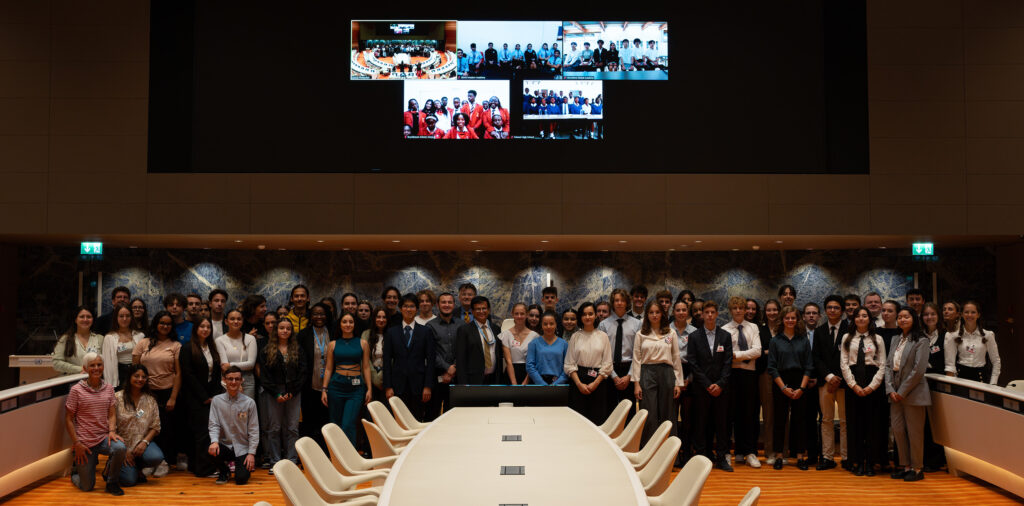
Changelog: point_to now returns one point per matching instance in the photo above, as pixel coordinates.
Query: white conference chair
(639, 459)
(298, 491)
(404, 416)
(657, 474)
(753, 495)
(262, 503)
(1016, 385)
(629, 440)
(685, 489)
(380, 445)
(347, 460)
(613, 425)
(332, 486)
(394, 432)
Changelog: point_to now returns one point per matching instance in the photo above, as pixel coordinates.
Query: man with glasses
(234, 429)
(478, 354)
(827, 339)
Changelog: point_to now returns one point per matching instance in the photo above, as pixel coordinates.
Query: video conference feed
(455, 109)
(615, 50)
(400, 50)
(509, 49)
(562, 109)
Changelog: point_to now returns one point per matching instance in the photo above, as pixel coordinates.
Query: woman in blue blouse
(545, 357)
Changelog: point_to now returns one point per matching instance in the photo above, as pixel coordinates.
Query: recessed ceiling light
(344, 249)
(540, 251)
(671, 249)
(697, 241)
(412, 250)
(261, 246)
(395, 240)
(238, 240)
(474, 241)
(623, 241)
(133, 247)
(478, 250)
(280, 249)
(756, 247)
(604, 250)
(735, 249)
(319, 240)
(778, 242)
(684, 245)
(810, 249)
(206, 248)
(544, 240)
(881, 247)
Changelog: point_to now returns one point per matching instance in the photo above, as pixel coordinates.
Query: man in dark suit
(478, 354)
(827, 339)
(812, 411)
(409, 359)
(710, 357)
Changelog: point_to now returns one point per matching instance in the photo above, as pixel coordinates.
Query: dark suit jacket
(469, 354)
(408, 369)
(305, 339)
(937, 357)
(826, 354)
(197, 385)
(710, 366)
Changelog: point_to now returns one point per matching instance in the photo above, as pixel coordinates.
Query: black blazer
(761, 364)
(469, 355)
(937, 355)
(196, 381)
(710, 366)
(826, 354)
(408, 369)
(281, 377)
(305, 339)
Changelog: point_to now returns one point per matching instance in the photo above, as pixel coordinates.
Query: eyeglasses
(233, 379)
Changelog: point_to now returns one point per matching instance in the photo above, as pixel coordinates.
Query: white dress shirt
(971, 351)
(744, 359)
(630, 326)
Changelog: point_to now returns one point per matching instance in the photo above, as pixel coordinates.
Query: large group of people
(545, 102)
(624, 57)
(465, 119)
(637, 56)
(476, 63)
(217, 387)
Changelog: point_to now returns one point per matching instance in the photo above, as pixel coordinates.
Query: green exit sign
(923, 249)
(92, 248)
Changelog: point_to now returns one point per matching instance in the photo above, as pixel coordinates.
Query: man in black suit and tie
(409, 359)
(827, 339)
(478, 354)
(710, 357)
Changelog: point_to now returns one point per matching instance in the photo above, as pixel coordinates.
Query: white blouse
(240, 352)
(872, 357)
(657, 349)
(971, 351)
(517, 349)
(589, 349)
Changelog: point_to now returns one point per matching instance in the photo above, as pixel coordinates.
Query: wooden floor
(788, 486)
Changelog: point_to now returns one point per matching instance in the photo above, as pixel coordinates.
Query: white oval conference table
(459, 459)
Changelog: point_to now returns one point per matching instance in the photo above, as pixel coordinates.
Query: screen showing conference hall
(260, 86)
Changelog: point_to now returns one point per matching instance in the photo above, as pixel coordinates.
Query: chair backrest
(659, 436)
(613, 425)
(294, 485)
(379, 444)
(318, 467)
(685, 489)
(382, 417)
(656, 475)
(403, 415)
(629, 440)
(343, 455)
(752, 497)
(507, 323)
(1017, 385)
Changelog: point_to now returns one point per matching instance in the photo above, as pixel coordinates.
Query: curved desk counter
(458, 460)
(981, 426)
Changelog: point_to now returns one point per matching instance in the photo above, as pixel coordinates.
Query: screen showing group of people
(562, 109)
(392, 50)
(456, 110)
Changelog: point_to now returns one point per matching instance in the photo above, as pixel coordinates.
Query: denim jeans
(149, 458)
(282, 426)
(86, 477)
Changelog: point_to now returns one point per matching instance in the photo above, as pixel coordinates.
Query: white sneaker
(161, 470)
(182, 462)
(753, 462)
(770, 460)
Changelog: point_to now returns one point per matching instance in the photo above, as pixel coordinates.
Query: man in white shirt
(621, 329)
(639, 295)
(478, 355)
(625, 55)
(826, 368)
(652, 55)
(572, 58)
(746, 348)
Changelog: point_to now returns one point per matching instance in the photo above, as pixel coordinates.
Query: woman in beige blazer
(908, 394)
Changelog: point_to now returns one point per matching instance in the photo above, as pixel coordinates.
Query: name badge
(970, 349)
(869, 349)
(592, 373)
(721, 349)
(515, 342)
(242, 415)
(140, 413)
(668, 339)
(356, 381)
(935, 349)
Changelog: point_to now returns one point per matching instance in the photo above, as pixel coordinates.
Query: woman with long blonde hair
(282, 370)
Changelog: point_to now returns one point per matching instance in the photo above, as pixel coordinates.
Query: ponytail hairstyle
(70, 343)
(960, 335)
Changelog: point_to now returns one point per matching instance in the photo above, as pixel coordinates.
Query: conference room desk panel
(458, 459)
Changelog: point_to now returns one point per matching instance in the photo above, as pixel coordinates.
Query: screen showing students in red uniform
(456, 110)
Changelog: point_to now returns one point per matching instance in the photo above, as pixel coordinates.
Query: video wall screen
(256, 86)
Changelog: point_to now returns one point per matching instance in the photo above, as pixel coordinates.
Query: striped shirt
(90, 408)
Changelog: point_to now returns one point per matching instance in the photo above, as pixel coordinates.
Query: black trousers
(812, 423)
(711, 415)
(225, 455)
(744, 405)
(200, 461)
(314, 416)
(866, 438)
(615, 396)
(438, 399)
(791, 409)
(520, 370)
(685, 415)
(167, 438)
(593, 406)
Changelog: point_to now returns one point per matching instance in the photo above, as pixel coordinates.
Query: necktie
(486, 346)
(832, 332)
(742, 341)
(861, 367)
(408, 336)
(465, 316)
(618, 341)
